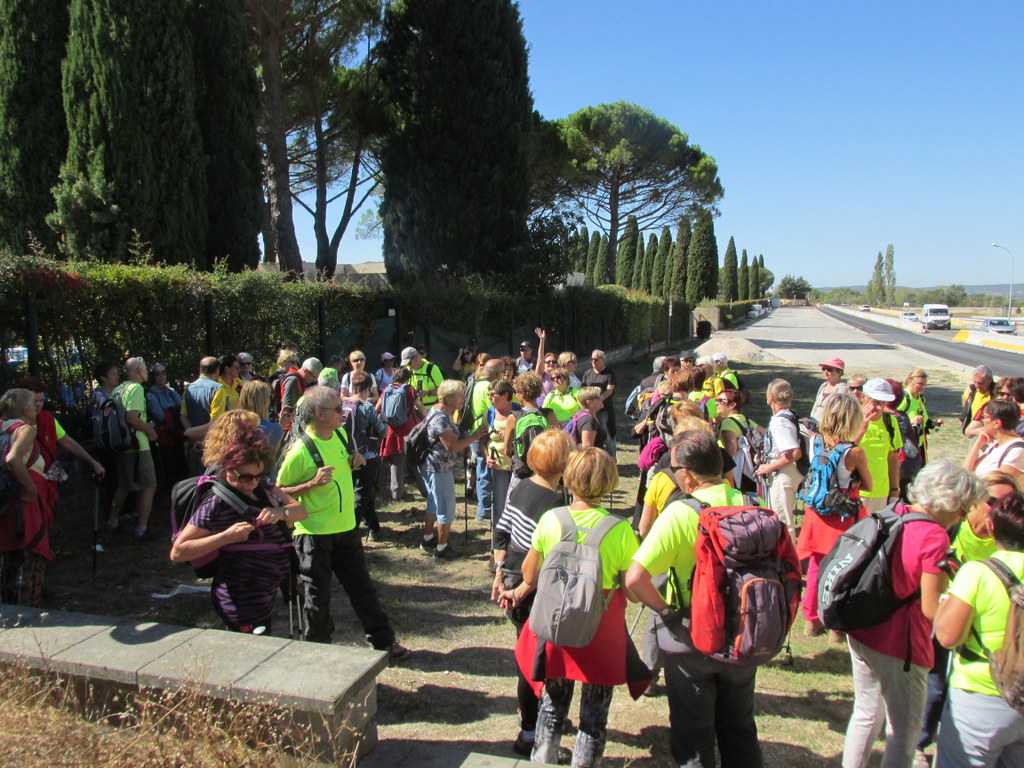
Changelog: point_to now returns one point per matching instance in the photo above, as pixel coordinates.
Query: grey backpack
(570, 597)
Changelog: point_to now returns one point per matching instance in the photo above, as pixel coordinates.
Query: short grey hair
(449, 388)
(133, 363)
(313, 365)
(657, 364)
(15, 402)
(598, 353)
(982, 370)
(943, 487)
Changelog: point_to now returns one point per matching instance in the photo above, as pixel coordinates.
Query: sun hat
(835, 362)
(879, 389)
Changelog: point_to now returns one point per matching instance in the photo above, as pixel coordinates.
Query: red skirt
(36, 517)
(819, 533)
(609, 659)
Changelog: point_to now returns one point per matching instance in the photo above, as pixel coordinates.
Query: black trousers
(340, 554)
(364, 485)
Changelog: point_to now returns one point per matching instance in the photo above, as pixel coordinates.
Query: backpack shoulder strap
(567, 524)
(314, 452)
(1010, 447)
(229, 497)
(1001, 570)
(602, 529)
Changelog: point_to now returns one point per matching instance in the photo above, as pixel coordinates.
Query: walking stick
(95, 527)
(636, 621)
(465, 497)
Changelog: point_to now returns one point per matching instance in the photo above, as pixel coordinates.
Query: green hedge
(736, 311)
(87, 312)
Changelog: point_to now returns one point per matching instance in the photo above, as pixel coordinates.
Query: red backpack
(745, 587)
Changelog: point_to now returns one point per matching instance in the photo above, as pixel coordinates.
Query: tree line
(188, 133)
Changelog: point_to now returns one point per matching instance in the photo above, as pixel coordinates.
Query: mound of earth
(736, 349)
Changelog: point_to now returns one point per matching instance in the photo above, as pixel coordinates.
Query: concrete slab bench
(328, 692)
(419, 755)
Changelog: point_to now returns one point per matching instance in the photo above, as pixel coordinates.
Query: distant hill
(992, 288)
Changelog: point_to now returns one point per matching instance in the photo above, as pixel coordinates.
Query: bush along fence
(69, 316)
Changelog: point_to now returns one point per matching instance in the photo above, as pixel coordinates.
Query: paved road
(806, 336)
(1003, 363)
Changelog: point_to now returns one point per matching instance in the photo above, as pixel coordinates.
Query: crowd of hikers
(913, 564)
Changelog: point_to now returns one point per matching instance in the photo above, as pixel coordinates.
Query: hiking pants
(882, 691)
(501, 479)
(484, 495)
(979, 730)
(340, 554)
(709, 701)
(593, 729)
(935, 702)
(364, 486)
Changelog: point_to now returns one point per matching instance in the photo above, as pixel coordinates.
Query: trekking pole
(465, 497)
(636, 621)
(95, 528)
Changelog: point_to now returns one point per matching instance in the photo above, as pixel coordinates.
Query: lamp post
(1009, 298)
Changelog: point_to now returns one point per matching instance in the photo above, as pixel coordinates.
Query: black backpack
(186, 496)
(529, 424)
(418, 445)
(855, 588)
(803, 464)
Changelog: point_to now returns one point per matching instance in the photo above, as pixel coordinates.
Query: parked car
(998, 325)
(865, 308)
(910, 317)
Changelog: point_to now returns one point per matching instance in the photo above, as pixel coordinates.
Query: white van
(935, 316)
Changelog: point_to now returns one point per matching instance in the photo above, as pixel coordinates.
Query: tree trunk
(269, 34)
(613, 229)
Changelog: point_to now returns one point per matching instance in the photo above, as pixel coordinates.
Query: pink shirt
(922, 545)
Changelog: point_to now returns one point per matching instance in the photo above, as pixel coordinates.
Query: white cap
(879, 389)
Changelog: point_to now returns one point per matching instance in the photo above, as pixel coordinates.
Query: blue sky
(837, 127)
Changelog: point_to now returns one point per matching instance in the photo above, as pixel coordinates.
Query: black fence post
(32, 335)
(321, 322)
(211, 326)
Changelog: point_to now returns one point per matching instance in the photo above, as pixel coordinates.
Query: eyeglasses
(358, 360)
(722, 400)
(245, 362)
(829, 369)
(244, 477)
(338, 409)
(550, 362)
(856, 389)
(1002, 393)
(674, 468)
(559, 378)
(991, 500)
(595, 359)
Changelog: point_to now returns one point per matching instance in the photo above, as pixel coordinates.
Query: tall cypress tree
(593, 258)
(730, 290)
(33, 136)
(134, 168)
(625, 252)
(600, 273)
(890, 276)
(743, 283)
(665, 262)
(702, 273)
(582, 247)
(650, 256)
(455, 157)
(638, 263)
(227, 107)
(679, 260)
(759, 281)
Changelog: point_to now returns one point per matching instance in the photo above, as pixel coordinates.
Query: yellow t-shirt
(877, 444)
(224, 399)
(979, 587)
(670, 542)
(659, 488)
(617, 548)
(331, 507)
(969, 547)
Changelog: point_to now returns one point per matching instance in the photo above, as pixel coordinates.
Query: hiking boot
(448, 553)
(814, 629)
(398, 652)
(428, 545)
(524, 747)
(373, 535)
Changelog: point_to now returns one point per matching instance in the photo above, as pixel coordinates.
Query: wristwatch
(665, 612)
(499, 564)
(287, 512)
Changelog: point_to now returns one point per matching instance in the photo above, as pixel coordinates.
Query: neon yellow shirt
(977, 586)
(331, 507)
(617, 547)
(670, 542)
(563, 404)
(877, 444)
(133, 398)
(970, 547)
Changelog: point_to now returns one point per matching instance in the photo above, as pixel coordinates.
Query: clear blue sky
(837, 127)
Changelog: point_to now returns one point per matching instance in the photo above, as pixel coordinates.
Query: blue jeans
(484, 494)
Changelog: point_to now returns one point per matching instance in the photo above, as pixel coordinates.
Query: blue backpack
(820, 489)
(394, 406)
(572, 426)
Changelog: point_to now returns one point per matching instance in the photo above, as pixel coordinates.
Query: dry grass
(459, 689)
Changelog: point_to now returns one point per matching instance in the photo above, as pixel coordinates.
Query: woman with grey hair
(27, 500)
(891, 660)
(437, 470)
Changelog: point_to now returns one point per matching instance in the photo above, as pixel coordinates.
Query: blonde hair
(222, 431)
(782, 391)
(286, 356)
(842, 419)
(856, 380)
(917, 373)
(549, 452)
(587, 394)
(688, 423)
(684, 409)
(255, 397)
(591, 474)
(995, 477)
(565, 358)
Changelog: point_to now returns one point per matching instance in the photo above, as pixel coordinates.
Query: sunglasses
(559, 378)
(245, 477)
(722, 400)
(358, 360)
(856, 389)
(829, 369)
(550, 362)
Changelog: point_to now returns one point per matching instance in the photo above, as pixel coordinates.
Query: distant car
(998, 325)
(910, 317)
(865, 308)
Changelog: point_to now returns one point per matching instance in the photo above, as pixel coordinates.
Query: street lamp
(1009, 299)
